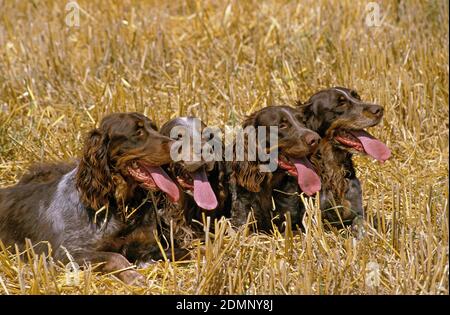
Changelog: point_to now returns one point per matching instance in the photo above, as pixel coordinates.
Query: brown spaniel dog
(340, 116)
(253, 189)
(100, 209)
(204, 183)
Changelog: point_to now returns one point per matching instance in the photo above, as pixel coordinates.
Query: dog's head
(191, 169)
(295, 144)
(128, 148)
(338, 114)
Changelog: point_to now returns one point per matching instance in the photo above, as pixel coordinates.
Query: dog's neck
(127, 204)
(335, 166)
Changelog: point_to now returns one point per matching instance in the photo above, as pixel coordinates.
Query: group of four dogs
(103, 208)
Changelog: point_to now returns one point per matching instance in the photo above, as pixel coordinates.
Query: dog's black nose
(376, 110)
(312, 139)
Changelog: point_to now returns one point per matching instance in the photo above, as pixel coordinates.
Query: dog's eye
(139, 132)
(283, 125)
(342, 100)
(355, 95)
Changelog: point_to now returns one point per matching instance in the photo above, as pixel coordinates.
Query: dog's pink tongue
(203, 194)
(372, 146)
(163, 181)
(307, 178)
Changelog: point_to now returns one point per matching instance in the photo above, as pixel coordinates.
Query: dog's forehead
(347, 93)
(142, 120)
(125, 123)
(192, 125)
(272, 116)
(344, 92)
(268, 116)
(289, 114)
(329, 97)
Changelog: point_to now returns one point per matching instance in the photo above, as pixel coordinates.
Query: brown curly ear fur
(247, 173)
(331, 169)
(94, 177)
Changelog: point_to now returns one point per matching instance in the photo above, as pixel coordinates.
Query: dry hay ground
(220, 60)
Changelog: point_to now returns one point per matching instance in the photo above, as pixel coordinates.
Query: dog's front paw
(359, 227)
(145, 264)
(132, 277)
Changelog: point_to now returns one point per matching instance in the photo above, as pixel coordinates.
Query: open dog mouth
(153, 177)
(363, 142)
(307, 178)
(197, 183)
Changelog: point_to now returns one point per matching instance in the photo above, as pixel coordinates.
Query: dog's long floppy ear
(94, 177)
(247, 173)
(311, 113)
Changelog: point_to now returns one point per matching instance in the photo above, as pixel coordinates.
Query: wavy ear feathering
(94, 177)
(247, 173)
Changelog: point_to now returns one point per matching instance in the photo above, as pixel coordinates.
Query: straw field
(220, 60)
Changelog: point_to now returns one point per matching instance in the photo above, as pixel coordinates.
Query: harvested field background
(220, 60)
